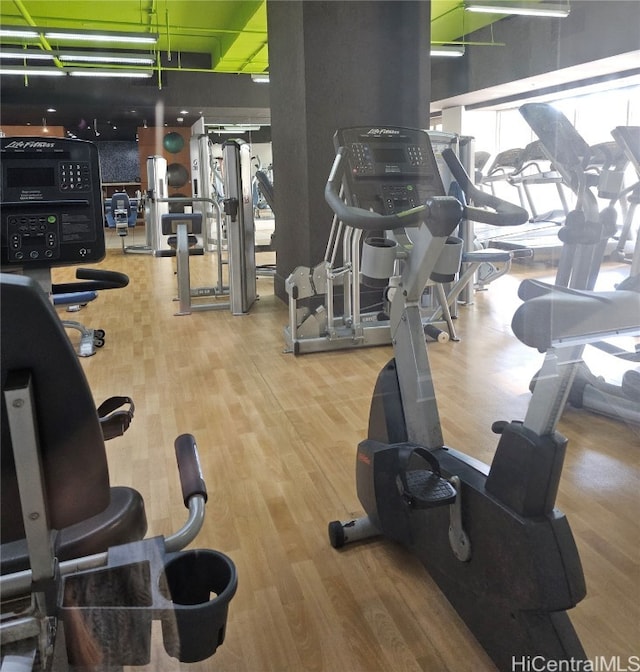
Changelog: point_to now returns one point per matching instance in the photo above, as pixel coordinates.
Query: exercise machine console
(388, 170)
(51, 202)
(51, 214)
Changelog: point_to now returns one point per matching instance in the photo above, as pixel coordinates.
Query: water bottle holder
(448, 264)
(378, 261)
(108, 612)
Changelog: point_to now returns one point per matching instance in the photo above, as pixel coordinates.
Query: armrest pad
(191, 478)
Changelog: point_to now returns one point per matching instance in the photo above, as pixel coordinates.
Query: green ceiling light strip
(67, 56)
(124, 74)
(45, 34)
(25, 54)
(50, 71)
(447, 51)
(20, 33)
(100, 36)
(539, 9)
(25, 71)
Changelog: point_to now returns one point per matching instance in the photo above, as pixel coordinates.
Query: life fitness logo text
(30, 144)
(383, 131)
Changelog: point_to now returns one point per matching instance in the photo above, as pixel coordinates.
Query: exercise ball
(173, 142)
(177, 175)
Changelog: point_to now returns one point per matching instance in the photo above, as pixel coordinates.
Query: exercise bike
(490, 537)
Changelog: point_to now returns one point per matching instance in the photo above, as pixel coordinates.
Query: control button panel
(33, 237)
(416, 155)
(74, 176)
(398, 198)
(362, 159)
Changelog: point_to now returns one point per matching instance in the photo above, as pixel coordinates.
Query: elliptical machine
(489, 536)
(586, 233)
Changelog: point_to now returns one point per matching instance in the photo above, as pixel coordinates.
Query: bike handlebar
(502, 212)
(360, 218)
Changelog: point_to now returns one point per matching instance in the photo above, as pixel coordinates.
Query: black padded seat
(89, 514)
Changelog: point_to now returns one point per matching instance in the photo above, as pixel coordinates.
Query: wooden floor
(277, 437)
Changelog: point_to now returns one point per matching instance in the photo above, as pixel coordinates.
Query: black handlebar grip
(96, 280)
(506, 214)
(109, 279)
(191, 478)
(360, 218)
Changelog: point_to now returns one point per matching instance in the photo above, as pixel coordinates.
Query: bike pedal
(426, 490)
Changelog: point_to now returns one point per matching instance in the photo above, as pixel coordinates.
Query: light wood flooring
(277, 437)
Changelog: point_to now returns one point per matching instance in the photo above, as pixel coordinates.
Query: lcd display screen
(30, 176)
(388, 155)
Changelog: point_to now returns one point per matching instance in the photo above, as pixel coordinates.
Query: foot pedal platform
(423, 488)
(426, 490)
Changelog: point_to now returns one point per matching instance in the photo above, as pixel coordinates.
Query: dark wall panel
(119, 161)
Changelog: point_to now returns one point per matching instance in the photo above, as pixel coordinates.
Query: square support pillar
(332, 65)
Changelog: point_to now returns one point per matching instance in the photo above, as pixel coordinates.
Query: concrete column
(335, 64)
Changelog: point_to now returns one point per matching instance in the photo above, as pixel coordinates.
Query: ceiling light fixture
(238, 129)
(43, 72)
(448, 52)
(25, 54)
(260, 78)
(90, 72)
(98, 36)
(93, 57)
(558, 10)
(241, 128)
(18, 32)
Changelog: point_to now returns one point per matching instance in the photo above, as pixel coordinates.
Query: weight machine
(229, 235)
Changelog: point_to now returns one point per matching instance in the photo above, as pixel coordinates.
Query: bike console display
(50, 202)
(388, 169)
